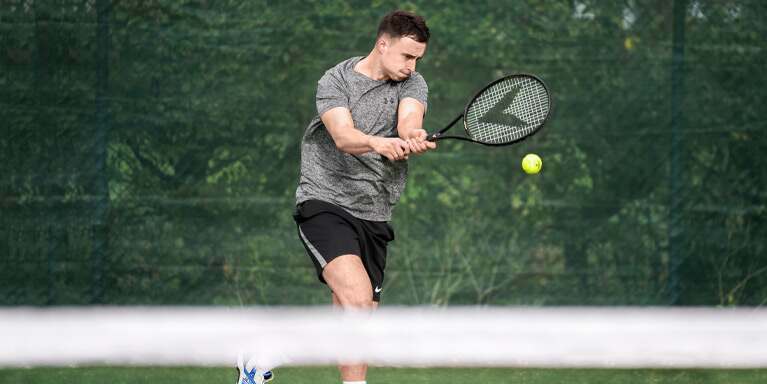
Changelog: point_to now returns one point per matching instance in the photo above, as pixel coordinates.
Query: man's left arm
(410, 125)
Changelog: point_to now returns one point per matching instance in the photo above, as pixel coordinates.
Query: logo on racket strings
(496, 114)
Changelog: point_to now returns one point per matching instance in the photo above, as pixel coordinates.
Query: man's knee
(354, 297)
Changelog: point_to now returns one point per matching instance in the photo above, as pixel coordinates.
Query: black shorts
(327, 231)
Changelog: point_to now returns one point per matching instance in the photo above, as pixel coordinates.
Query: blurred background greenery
(149, 153)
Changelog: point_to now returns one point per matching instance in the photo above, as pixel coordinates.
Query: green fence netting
(149, 153)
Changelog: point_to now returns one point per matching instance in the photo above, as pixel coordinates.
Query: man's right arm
(349, 139)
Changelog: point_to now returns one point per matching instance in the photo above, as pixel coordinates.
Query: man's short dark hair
(404, 24)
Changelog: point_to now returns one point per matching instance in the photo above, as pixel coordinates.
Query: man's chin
(402, 76)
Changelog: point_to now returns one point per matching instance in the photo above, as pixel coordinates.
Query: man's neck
(370, 67)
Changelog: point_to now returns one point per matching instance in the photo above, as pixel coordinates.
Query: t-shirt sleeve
(415, 87)
(331, 93)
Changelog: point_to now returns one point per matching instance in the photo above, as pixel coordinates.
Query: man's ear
(382, 43)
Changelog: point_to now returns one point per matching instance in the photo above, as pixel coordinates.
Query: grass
(378, 375)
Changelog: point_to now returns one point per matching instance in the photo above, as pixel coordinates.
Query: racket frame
(439, 135)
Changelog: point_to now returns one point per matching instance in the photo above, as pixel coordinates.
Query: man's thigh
(347, 278)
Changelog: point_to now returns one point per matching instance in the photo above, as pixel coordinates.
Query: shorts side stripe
(313, 250)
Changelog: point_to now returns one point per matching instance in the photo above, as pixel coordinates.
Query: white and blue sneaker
(252, 376)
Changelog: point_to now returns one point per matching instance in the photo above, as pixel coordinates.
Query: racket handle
(436, 135)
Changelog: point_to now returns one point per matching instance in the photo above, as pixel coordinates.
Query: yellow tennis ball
(628, 43)
(531, 163)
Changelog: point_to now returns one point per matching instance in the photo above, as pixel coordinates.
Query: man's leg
(347, 278)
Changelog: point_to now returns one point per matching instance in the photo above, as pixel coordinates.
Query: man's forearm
(347, 138)
(410, 122)
(354, 142)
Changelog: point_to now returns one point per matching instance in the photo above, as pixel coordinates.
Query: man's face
(399, 56)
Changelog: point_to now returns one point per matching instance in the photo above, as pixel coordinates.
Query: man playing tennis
(354, 163)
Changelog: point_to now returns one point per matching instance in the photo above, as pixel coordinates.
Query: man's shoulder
(339, 75)
(344, 66)
(414, 78)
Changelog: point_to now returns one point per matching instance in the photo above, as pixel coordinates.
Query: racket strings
(521, 98)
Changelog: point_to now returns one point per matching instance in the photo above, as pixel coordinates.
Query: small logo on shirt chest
(388, 100)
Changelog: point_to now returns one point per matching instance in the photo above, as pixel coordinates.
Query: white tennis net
(399, 336)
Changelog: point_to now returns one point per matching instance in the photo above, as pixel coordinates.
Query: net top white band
(513, 337)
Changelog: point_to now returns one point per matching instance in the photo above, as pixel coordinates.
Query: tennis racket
(504, 112)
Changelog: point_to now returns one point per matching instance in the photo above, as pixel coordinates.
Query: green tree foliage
(149, 153)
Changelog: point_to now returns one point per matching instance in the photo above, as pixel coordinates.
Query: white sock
(355, 382)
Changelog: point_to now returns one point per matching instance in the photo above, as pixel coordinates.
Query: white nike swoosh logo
(378, 289)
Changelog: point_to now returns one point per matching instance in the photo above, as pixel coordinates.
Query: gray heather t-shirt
(367, 185)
